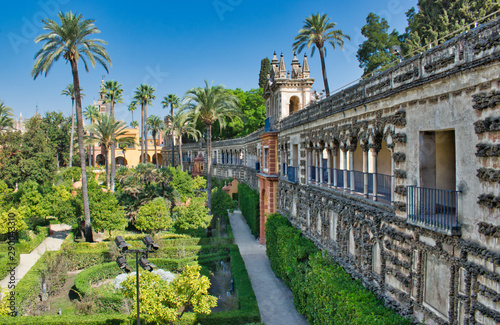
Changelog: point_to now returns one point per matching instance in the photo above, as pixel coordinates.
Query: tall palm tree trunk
(145, 133)
(180, 152)
(156, 155)
(72, 132)
(323, 69)
(113, 146)
(81, 148)
(172, 114)
(142, 133)
(209, 167)
(106, 156)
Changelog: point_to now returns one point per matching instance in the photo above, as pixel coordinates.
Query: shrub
(323, 291)
(249, 206)
(154, 216)
(221, 202)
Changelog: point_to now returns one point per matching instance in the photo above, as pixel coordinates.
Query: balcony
(433, 209)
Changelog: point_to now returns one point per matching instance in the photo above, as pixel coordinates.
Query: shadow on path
(274, 298)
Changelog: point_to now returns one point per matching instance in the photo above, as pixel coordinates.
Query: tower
(285, 93)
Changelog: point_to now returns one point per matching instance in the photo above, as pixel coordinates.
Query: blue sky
(176, 45)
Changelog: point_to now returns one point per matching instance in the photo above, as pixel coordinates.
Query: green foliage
(113, 319)
(182, 182)
(265, 68)
(192, 215)
(57, 128)
(36, 206)
(162, 302)
(199, 183)
(154, 216)
(376, 51)
(322, 290)
(61, 204)
(104, 208)
(8, 261)
(12, 220)
(221, 202)
(437, 19)
(249, 206)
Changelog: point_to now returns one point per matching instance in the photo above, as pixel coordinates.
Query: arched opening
(294, 105)
(159, 157)
(100, 160)
(121, 161)
(141, 159)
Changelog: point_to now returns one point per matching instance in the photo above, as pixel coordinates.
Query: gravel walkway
(274, 298)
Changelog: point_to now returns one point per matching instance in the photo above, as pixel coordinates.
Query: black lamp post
(151, 246)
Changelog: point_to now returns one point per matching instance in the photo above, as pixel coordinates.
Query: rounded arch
(158, 157)
(99, 159)
(141, 159)
(121, 161)
(293, 105)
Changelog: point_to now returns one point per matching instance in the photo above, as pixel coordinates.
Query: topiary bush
(323, 291)
(249, 206)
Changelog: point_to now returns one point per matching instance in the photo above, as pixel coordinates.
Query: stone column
(334, 168)
(320, 166)
(343, 157)
(329, 167)
(351, 168)
(365, 172)
(373, 169)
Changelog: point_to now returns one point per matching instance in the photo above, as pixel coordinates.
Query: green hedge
(7, 262)
(249, 206)
(69, 320)
(27, 247)
(322, 290)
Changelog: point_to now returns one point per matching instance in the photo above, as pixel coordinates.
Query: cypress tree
(265, 68)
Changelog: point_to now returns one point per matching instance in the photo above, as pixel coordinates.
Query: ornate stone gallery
(395, 177)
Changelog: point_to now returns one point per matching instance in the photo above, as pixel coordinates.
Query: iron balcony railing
(293, 174)
(433, 209)
(359, 181)
(312, 174)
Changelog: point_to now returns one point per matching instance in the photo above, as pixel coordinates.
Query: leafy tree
(61, 205)
(39, 158)
(70, 91)
(107, 214)
(181, 182)
(211, 104)
(57, 128)
(180, 125)
(192, 215)
(155, 125)
(265, 69)
(18, 220)
(174, 102)
(5, 196)
(436, 19)
(376, 51)
(113, 95)
(6, 117)
(144, 96)
(36, 206)
(11, 157)
(107, 132)
(71, 40)
(154, 216)
(317, 31)
(221, 203)
(199, 183)
(165, 303)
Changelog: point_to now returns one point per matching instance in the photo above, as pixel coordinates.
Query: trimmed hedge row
(114, 319)
(323, 291)
(249, 206)
(6, 263)
(27, 247)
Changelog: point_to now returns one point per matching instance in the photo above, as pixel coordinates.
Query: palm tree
(113, 95)
(174, 101)
(6, 117)
(144, 95)
(134, 124)
(71, 40)
(108, 132)
(132, 107)
(182, 123)
(317, 31)
(92, 114)
(155, 124)
(70, 91)
(210, 104)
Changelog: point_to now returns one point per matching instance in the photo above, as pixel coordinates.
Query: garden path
(274, 298)
(26, 261)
